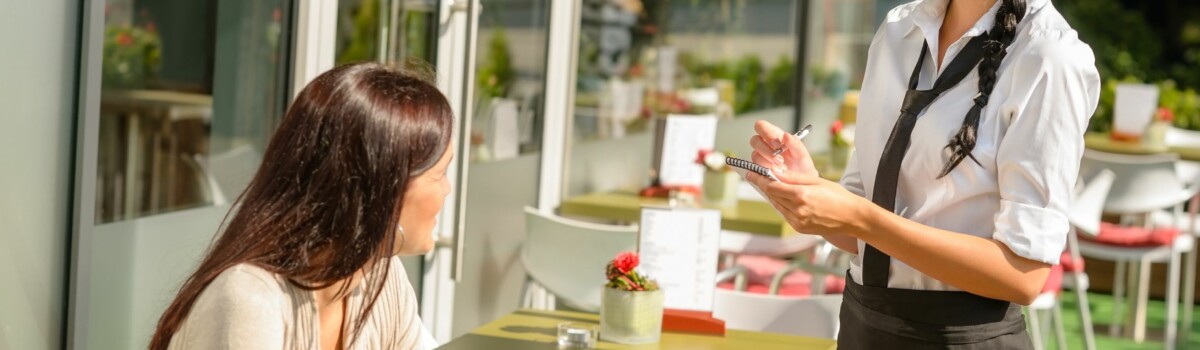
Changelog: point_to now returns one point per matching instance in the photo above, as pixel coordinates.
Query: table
(154, 111)
(1102, 142)
(532, 329)
(750, 216)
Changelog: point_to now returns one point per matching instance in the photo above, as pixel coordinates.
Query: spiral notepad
(742, 165)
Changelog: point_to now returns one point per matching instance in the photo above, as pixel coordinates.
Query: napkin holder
(695, 322)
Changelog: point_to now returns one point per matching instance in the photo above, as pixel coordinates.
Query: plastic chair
(812, 316)
(1189, 170)
(1084, 216)
(1048, 302)
(1141, 185)
(568, 257)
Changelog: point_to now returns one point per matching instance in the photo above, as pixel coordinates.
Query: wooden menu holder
(696, 322)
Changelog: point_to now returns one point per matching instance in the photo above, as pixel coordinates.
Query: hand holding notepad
(794, 158)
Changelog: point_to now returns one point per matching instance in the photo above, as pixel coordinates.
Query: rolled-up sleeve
(1053, 94)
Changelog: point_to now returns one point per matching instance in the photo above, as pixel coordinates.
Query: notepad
(678, 247)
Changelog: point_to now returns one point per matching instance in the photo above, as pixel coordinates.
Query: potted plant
(631, 307)
(1157, 132)
(132, 56)
(720, 181)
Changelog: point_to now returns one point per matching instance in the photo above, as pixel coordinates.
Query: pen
(799, 136)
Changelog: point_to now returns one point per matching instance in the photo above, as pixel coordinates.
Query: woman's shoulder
(244, 307)
(242, 290)
(1050, 46)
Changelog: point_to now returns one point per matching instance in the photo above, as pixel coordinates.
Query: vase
(631, 317)
(1156, 134)
(839, 155)
(720, 188)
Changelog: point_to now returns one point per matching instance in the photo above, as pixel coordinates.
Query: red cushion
(1069, 264)
(833, 285)
(762, 269)
(1125, 236)
(1054, 280)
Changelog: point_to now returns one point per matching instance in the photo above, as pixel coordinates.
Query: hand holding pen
(780, 151)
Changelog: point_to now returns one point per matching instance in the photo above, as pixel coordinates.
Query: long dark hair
(326, 200)
(1000, 36)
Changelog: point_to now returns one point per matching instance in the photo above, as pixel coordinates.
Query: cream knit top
(247, 307)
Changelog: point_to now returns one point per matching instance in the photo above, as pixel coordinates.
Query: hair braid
(999, 37)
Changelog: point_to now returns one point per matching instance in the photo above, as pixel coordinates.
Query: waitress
(970, 133)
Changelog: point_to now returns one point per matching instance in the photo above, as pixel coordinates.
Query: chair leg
(1035, 329)
(526, 297)
(1189, 293)
(1143, 298)
(551, 301)
(1172, 301)
(1060, 334)
(1085, 314)
(1114, 326)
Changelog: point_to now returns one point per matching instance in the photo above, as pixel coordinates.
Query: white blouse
(1029, 140)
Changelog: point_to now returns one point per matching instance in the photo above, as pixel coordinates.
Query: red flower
(1165, 114)
(124, 39)
(626, 261)
(703, 153)
(836, 128)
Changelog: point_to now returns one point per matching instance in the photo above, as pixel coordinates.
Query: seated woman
(353, 178)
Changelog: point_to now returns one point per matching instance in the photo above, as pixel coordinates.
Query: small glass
(577, 335)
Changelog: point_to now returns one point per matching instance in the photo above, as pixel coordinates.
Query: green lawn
(1102, 315)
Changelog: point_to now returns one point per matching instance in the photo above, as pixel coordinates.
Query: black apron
(874, 316)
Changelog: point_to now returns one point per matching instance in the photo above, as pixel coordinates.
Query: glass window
(639, 60)
(386, 30)
(839, 34)
(510, 64)
(191, 93)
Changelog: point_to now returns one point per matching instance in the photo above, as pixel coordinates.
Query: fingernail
(778, 159)
(777, 144)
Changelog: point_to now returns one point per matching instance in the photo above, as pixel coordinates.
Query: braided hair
(999, 37)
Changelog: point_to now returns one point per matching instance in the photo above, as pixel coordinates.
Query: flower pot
(720, 188)
(839, 155)
(1156, 134)
(628, 317)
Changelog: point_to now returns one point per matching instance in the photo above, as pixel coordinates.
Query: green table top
(1102, 142)
(531, 329)
(750, 216)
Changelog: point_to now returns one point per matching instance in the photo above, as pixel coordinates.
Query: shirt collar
(928, 16)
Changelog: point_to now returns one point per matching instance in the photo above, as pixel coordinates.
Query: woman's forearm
(977, 265)
(844, 242)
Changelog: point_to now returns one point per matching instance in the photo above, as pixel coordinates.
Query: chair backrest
(1088, 204)
(1182, 137)
(568, 257)
(1142, 183)
(811, 316)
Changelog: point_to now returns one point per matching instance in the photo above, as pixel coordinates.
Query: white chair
(1142, 185)
(812, 316)
(568, 257)
(1189, 172)
(1084, 215)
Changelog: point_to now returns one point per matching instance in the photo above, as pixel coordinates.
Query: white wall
(37, 61)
